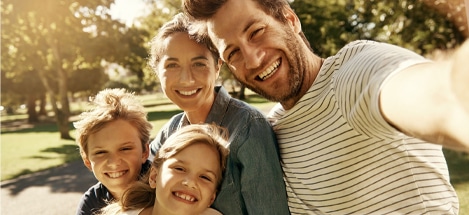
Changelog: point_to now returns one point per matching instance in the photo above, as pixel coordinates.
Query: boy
(113, 138)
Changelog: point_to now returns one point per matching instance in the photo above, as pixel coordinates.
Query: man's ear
(87, 163)
(292, 18)
(146, 152)
(152, 178)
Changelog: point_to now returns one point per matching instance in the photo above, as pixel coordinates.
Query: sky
(127, 10)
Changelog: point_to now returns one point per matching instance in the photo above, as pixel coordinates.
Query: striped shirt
(339, 154)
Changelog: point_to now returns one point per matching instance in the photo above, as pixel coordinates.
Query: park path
(55, 191)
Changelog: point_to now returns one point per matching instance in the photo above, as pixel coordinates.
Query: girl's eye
(126, 148)
(99, 152)
(207, 178)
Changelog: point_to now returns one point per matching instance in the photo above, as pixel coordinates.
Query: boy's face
(115, 155)
(186, 183)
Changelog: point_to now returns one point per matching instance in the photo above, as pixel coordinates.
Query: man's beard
(296, 71)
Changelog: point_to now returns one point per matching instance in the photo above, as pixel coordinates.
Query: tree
(52, 39)
(329, 25)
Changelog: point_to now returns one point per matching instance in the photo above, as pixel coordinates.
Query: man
(359, 132)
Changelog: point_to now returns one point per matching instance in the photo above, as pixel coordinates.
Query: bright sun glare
(127, 10)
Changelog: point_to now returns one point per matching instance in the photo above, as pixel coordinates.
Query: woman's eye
(171, 65)
(199, 65)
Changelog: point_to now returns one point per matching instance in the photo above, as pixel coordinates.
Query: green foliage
(329, 25)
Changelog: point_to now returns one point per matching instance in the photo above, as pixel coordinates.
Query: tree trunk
(42, 105)
(32, 113)
(62, 113)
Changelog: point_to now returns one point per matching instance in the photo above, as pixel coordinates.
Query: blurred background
(55, 54)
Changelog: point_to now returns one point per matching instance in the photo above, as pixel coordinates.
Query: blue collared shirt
(253, 181)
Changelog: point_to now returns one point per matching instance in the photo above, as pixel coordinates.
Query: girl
(184, 176)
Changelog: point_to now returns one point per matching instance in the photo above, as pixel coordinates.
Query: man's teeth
(185, 197)
(116, 174)
(269, 71)
(188, 93)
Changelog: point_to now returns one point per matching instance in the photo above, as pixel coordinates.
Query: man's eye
(256, 32)
(232, 53)
(179, 169)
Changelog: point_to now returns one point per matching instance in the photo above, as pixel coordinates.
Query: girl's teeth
(185, 197)
(116, 174)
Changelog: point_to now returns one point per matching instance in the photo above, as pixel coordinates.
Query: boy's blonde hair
(110, 105)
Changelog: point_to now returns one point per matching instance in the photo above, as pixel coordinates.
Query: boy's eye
(99, 152)
(126, 148)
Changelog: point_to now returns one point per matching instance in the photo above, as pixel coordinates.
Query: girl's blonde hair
(141, 195)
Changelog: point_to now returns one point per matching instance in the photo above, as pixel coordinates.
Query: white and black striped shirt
(340, 156)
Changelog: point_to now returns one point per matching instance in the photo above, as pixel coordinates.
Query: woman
(188, 70)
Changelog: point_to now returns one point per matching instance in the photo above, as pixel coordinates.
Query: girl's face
(115, 155)
(186, 183)
(187, 72)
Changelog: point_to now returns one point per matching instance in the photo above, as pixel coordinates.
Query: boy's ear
(146, 153)
(87, 163)
(152, 178)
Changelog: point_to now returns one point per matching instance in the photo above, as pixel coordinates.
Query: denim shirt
(253, 180)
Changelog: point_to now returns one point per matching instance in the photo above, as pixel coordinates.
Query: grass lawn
(31, 148)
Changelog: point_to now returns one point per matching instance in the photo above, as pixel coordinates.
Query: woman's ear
(292, 18)
(153, 176)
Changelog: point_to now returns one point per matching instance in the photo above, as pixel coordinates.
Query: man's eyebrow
(245, 29)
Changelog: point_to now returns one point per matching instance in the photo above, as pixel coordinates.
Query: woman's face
(186, 183)
(187, 72)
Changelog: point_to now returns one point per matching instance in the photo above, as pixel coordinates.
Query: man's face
(262, 52)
